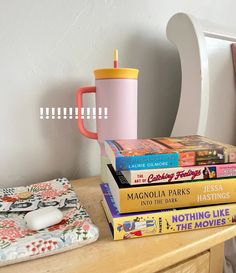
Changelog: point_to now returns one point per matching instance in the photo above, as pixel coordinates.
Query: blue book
(167, 152)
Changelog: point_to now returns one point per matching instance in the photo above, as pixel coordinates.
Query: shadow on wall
(67, 152)
(159, 83)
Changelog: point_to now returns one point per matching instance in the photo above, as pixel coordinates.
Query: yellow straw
(115, 58)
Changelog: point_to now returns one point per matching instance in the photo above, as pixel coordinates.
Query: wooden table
(193, 251)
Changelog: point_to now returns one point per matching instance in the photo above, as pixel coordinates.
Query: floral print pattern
(17, 242)
(57, 192)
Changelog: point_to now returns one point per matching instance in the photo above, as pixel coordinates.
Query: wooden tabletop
(147, 254)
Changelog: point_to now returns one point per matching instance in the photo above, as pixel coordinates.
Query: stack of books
(169, 184)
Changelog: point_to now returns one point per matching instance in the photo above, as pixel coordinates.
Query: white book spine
(141, 177)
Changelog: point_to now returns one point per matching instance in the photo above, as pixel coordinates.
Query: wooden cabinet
(199, 263)
(187, 252)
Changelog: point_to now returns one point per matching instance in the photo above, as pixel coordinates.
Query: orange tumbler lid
(116, 73)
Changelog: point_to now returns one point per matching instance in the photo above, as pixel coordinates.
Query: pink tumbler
(116, 90)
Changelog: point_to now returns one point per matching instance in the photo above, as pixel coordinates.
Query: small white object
(43, 218)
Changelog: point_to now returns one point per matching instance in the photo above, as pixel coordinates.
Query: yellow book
(134, 225)
(169, 195)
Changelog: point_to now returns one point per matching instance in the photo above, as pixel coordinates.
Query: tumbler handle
(79, 101)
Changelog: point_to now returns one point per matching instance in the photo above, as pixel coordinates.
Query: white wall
(50, 48)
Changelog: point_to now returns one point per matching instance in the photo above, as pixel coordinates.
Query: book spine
(157, 223)
(143, 177)
(202, 157)
(187, 194)
(229, 152)
(152, 161)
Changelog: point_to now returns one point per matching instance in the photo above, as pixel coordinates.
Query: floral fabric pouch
(57, 192)
(18, 243)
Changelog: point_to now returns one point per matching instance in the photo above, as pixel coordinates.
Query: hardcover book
(167, 152)
(144, 177)
(134, 225)
(169, 195)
